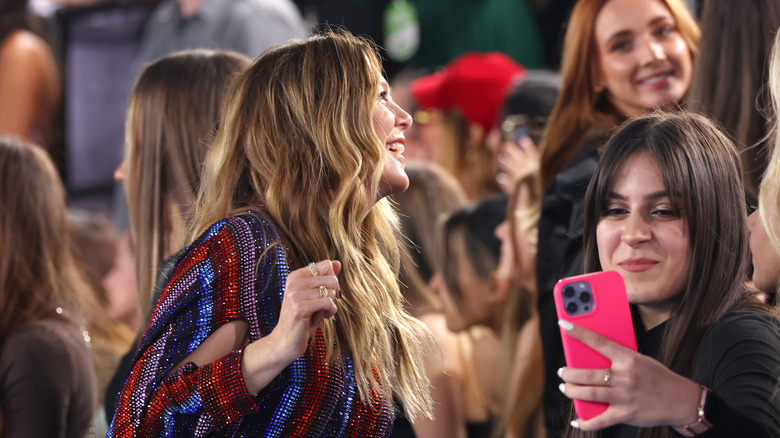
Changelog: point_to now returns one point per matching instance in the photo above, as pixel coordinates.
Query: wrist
(701, 424)
(261, 361)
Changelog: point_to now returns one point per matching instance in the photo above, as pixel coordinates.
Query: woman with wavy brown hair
(283, 315)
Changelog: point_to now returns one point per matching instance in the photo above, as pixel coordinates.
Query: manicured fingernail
(562, 388)
(575, 424)
(338, 293)
(560, 372)
(566, 325)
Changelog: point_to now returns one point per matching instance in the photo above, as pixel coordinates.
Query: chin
(396, 185)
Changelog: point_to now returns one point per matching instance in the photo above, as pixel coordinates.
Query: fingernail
(338, 293)
(560, 372)
(566, 325)
(575, 424)
(562, 388)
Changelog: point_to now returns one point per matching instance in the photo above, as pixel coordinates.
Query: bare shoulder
(23, 45)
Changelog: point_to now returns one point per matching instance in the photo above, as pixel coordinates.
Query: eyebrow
(651, 197)
(626, 32)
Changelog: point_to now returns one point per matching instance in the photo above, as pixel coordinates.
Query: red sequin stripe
(223, 390)
(370, 421)
(315, 403)
(225, 259)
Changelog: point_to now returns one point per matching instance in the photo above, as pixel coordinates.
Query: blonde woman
(283, 316)
(764, 223)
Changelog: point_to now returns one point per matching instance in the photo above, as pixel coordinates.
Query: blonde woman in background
(764, 222)
(173, 112)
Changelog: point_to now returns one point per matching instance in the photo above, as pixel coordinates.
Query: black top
(559, 255)
(739, 360)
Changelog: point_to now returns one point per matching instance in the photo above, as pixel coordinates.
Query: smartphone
(514, 127)
(598, 302)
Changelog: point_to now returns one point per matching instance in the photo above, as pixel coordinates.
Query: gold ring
(313, 269)
(323, 291)
(607, 377)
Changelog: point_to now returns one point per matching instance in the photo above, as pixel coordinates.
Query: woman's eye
(383, 95)
(614, 211)
(664, 30)
(620, 46)
(666, 213)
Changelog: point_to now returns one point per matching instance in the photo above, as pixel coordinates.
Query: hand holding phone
(599, 303)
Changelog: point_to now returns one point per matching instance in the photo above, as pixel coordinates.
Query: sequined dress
(235, 271)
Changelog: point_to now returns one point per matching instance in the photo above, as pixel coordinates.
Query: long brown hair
(298, 142)
(700, 165)
(736, 52)
(174, 110)
(580, 109)
(38, 272)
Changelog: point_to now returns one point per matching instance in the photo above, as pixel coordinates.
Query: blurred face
(643, 59)
(121, 286)
(423, 140)
(472, 307)
(766, 260)
(390, 122)
(513, 266)
(642, 236)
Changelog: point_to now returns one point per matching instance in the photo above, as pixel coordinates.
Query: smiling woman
(665, 210)
(621, 59)
(283, 316)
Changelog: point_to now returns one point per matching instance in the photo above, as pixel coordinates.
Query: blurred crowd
(535, 140)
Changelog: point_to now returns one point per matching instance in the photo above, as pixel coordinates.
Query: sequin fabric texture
(235, 270)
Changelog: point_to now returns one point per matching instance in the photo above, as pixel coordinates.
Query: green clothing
(449, 28)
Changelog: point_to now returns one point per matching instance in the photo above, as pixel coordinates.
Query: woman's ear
(498, 289)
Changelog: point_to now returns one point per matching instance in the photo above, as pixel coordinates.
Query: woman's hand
(308, 298)
(641, 391)
(515, 162)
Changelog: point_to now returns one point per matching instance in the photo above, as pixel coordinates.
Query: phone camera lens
(571, 307)
(568, 291)
(585, 297)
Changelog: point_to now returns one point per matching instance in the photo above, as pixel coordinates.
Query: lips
(637, 265)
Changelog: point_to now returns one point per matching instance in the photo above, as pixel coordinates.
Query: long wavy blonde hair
(173, 113)
(297, 141)
(769, 192)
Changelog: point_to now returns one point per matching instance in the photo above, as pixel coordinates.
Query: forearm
(262, 361)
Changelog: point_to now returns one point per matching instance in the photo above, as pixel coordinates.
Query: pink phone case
(607, 313)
